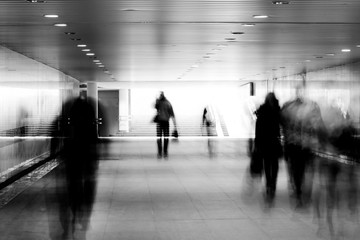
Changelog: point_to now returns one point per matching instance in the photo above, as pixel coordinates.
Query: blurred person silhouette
(303, 131)
(338, 180)
(164, 113)
(209, 123)
(74, 145)
(267, 142)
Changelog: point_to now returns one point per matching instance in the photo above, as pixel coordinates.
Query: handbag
(175, 133)
(256, 163)
(155, 118)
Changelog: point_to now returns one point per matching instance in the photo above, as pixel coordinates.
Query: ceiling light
(195, 66)
(96, 60)
(260, 16)
(36, 1)
(60, 24)
(90, 54)
(357, 45)
(248, 24)
(98, 63)
(307, 60)
(346, 50)
(51, 15)
(81, 45)
(86, 50)
(101, 66)
(280, 2)
(330, 54)
(75, 39)
(69, 33)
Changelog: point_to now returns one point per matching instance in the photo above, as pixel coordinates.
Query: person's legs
(166, 127)
(159, 142)
(271, 167)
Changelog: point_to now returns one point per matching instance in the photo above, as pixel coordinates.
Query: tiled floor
(188, 196)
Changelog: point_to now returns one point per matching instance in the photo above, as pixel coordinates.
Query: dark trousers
(299, 160)
(162, 130)
(271, 168)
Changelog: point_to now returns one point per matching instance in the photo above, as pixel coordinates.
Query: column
(124, 110)
(92, 92)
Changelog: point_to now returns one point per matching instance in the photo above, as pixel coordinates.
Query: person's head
(271, 100)
(300, 92)
(162, 95)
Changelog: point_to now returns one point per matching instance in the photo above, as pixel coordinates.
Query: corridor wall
(31, 96)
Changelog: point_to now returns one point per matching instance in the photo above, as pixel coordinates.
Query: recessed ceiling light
(96, 60)
(195, 66)
(51, 15)
(69, 33)
(98, 63)
(237, 32)
(81, 45)
(260, 16)
(90, 54)
(330, 54)
(36, 1)
(101, 66)
(280, 2)
(307, 60)
(248, 24)
(60, 24)
(86, 50)
(346, 50)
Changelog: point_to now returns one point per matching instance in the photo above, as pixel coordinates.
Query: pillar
(92, 93)
(124, 110)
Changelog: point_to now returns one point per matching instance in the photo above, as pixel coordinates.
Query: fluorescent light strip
(260, 16)
(81, 45)
(51, 15)
(60, 24)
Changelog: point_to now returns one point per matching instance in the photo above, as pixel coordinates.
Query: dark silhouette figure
(303, 133)
(74, 144)
(209, 122)
(267, 142)
(164, 113)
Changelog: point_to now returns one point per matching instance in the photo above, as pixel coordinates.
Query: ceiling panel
(168, 40)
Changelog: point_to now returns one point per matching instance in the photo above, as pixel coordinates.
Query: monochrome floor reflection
(189, 196)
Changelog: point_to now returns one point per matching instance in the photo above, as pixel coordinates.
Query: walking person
(267, 142)
(164, 113)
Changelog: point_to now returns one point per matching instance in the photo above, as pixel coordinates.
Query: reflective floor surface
(190, 195)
